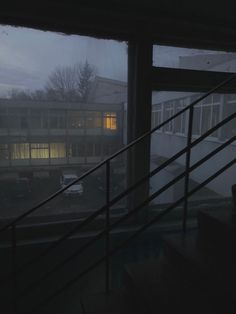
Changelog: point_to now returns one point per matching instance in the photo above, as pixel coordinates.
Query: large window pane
(194, 59)
(20, 151)
(62, 110)
(172, 137)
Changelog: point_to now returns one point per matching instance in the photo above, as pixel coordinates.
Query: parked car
(75, 189)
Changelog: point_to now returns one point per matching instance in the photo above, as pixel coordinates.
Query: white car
(75, 189)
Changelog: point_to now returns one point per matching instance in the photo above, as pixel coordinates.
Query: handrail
(124, 218)
(132, 143)
(127, 241)
(79, 226)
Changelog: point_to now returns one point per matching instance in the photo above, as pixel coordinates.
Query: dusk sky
(28, 56)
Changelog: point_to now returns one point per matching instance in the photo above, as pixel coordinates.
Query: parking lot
(11, 205)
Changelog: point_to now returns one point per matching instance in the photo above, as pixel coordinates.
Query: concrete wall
(167, 145)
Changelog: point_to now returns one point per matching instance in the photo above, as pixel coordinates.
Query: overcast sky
(28, 56)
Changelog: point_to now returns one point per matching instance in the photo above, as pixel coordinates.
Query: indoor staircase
(195, 273)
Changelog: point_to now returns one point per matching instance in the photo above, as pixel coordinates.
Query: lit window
(110, 120)
(57, 150)
(20, 151)
(40, 150)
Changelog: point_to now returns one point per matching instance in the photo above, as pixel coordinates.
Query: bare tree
(71, 83)
(65, 83)
(61, 84)
(19, 94)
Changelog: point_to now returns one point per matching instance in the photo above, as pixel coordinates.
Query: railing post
(107, 226)
(187, 166)
(13, 261)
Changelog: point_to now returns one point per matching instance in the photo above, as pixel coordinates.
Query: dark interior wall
(205, 24)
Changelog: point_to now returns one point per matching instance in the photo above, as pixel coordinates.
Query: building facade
(47, 135)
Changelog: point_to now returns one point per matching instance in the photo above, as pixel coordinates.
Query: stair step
(157, 288)
(189, 255)
(182, 280)
(217, 230)
(200, 270)
(115, 302)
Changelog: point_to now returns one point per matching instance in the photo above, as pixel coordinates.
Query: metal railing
(125, 148)
(127, 216)
(110, 202)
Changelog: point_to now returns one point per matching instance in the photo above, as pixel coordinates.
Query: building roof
(105, 90)
(13, 103)
(209, 61)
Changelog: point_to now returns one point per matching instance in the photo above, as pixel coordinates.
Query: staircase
(192, 274)
(195, 273)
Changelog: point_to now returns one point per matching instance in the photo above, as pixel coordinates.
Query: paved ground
(10, 206)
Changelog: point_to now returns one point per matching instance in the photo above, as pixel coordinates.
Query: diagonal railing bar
(119, 197)
(122, 219)
(53, 246)
(127, 241)
(131, 144)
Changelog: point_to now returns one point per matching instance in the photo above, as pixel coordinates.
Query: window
(62, 96)
(194, 59)
(38, 119)
(93, 119)
(77, 150)
(57, 119)
(110, 121)
(206, 118)
(207, 115)
(57, 150)
(156, 115)
(20, 151)
(229, 129)
(168, 113)
(40, 150)
(197, 120)
(4, 153)
(180, 121)
(76, 120)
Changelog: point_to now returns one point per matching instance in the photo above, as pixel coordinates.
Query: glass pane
(62, 111)
(165, 143)
(172, 137)
(194, 59)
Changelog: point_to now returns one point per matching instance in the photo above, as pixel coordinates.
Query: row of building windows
(55, 150)
(23, 118)
(207, 114)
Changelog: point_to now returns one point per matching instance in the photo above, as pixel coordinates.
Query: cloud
(28, 56)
